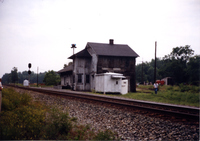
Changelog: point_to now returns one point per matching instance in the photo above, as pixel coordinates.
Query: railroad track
(184, 112)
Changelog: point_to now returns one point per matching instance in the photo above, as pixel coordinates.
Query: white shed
(111, 82)
(26, 83)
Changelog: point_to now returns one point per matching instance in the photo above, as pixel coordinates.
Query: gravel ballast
(128, 125)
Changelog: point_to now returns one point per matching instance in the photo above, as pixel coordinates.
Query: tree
(6, 79)
(51, 78)
(182, 53)
(148, 71)
(180, 64)
(193, 70)
(66, 65)
(14, 75)
(176, 63)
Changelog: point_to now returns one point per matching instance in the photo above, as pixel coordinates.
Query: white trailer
(111, 83)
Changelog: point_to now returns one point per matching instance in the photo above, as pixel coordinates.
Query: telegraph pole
(73, 47)
(155, 63)
(37, 75)
(142, 72)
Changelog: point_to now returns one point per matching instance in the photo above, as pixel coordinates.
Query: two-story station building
(98, 58)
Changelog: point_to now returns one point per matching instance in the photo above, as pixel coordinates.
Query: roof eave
(119, 56)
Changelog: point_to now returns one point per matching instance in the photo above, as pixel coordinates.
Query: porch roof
(66, 69)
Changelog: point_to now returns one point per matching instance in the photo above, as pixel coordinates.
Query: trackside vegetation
(180, 95)
(25, 119)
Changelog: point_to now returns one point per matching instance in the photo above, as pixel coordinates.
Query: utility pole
(142, 72)
(73, 85)
(37, 75)
(155, 63)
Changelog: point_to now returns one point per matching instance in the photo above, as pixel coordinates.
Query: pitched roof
(68, 68)
(112, 49)
(82, 53)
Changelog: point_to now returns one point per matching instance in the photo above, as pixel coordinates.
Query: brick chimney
(111, 41)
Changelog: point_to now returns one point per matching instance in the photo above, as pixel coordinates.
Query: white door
(124, 87)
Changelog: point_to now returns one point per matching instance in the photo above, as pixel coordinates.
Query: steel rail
(171, 109)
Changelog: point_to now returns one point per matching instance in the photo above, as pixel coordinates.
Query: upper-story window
(79, 78)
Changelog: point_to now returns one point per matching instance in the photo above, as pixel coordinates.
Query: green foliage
(59, 125)
(12, 99)
(66, 65)
(170, 88)
(51, 78)
(24, 119)
(182, 53)
(22, 76)
(105, 135)
(188, 88)
(20, 119)
(33, 77)
(81, 132)
(184, 95)
(6, 78)
(180, 64)
(184, 88)
(14, 75)
(193, 69)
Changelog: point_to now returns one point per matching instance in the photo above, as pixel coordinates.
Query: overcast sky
(41, 31)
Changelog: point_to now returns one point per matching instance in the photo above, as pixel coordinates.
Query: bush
(23, 119)
(170, 88)
(184, 88)
(105, 135)
(188, 88)
(20, 119)
(195, 89)
(81, 132)
(182, 98)
(59, 125)
(12, 99)
(22, 123)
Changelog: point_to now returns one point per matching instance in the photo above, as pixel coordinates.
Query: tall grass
(181, 95)
(23, 119)
(20, 117)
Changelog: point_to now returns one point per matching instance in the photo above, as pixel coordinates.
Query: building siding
(99, 58)
(82, 67)
(124, 65)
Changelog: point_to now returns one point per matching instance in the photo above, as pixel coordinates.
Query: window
(79, 78)
(116, 82)
(87, 78)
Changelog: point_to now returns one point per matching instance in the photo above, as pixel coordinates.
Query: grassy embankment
(181, 95)
(25, 119)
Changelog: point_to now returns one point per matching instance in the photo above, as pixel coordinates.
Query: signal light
(29, 65)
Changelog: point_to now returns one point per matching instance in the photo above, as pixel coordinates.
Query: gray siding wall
(94, 62)
(82, 68)
(66, 80)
